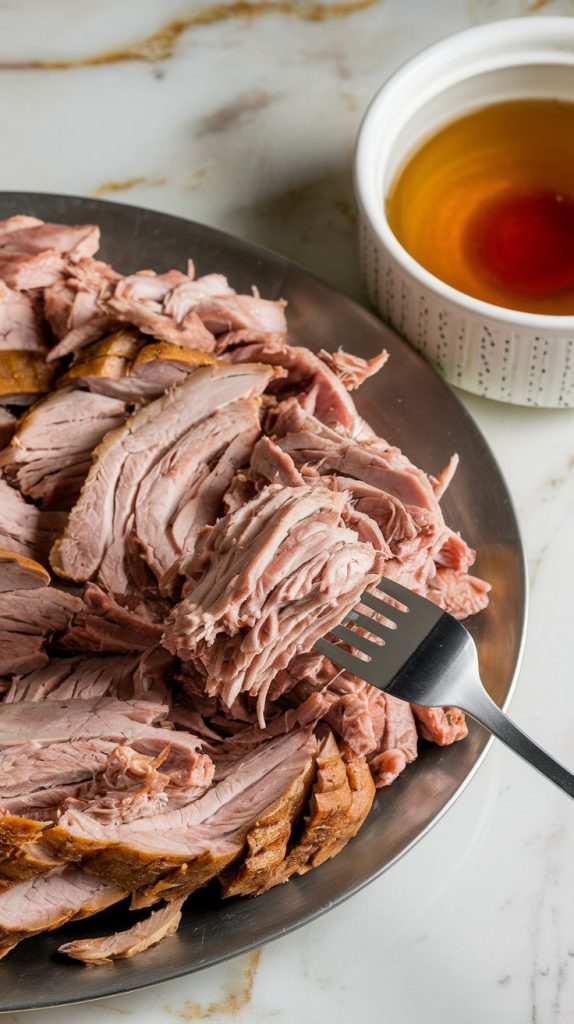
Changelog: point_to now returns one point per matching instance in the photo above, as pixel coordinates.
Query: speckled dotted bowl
(499, 353)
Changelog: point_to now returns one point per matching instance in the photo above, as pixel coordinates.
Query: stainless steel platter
(412, 407)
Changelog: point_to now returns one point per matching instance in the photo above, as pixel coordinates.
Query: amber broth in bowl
(487, 205)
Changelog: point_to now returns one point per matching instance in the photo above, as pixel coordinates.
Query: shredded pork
(190, 504)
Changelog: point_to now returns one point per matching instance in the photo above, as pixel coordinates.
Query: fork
(427, 657)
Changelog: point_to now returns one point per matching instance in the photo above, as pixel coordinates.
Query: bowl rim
(518, 30)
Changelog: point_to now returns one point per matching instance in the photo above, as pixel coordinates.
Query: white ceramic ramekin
(524, 358)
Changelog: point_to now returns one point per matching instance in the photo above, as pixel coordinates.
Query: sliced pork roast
(202, 313)
(159, 925)
(128, 366)
(17, 572)
(54, 722)
(184, 490)
(45, 902)
(34, 254)
(24, 377)
(49, 456)
(318, 390)
(264, 583)
(30, 616)
(77, 678)
(154, 303)
(101, 624)
(198, 840)
(110, 760)
(95, 541)
(73, 306)
(175, 308)
(351, 370)
(21, 326)
(212, 503)
(267, 840)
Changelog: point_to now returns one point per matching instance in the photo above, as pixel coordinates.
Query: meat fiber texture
(266, 582)
(194, 504)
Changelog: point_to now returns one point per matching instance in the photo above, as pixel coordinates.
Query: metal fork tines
(411, 648)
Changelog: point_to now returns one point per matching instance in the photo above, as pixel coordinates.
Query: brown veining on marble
(195, 179)
(234, 112)
(235, 1000)
(124, 186)
(161, 44)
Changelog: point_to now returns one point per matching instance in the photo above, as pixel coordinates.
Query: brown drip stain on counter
(124, 186)
(161, 44)
(232, 1003)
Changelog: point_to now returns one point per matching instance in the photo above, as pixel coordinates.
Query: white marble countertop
(244, 117)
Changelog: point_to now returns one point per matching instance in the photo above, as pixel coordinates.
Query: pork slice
(78, 679)
(159, 925)
(315, 386)
(24, 376)
(19, 611)
(440, 725)
(101, 624)
(42, 805)
(111, 783)
(95, 537)
(275, 466)
(135, 785)
(17, 572)
(161, 365)
(28, 619)
(153, 677)
(454, 553)
(352, 370)
(27, 271)
(74, 306)
(400, 527)
(341, 798)
(227, 314)
(184, 490)
(442, 482)
(25, 529)
(39, 684)
(265, 583)
(50, 452)
(47, 901)
(17, 831)
(457, 592)
(122, 345)
(20, 326)
(21, 652)
(30, 767)
(47, 722)
(398, 746)
(17, 223)
(310, 442)
(200, 837)
(7, 426)
(36, 256)
(20, 235)
(145, 375)
(26, 862)
(267, 839)
(355, 711)
(186, 295)
(140, 300)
